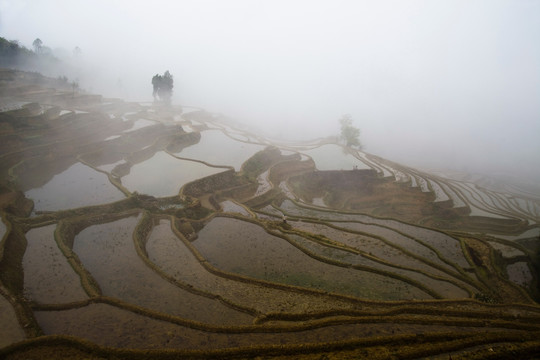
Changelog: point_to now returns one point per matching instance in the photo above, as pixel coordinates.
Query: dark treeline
(12, 54)
(16, 56)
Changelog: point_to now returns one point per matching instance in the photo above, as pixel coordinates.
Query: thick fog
(434, 84)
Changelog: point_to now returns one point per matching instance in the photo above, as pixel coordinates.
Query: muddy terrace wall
(216, 182)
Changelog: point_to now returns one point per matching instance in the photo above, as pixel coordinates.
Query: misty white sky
(451, 84)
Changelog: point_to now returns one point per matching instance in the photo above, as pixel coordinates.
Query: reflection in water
(174, 258)
(231, 245)
(333, 157)
(444, 288)
(164, 175)
(216, 148)
(78, 186)
(108, 252)
(448, 246)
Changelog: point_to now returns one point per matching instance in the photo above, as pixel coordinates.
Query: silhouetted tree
(12, 54)
(37, 45)
(349, 133)
(77, 51)
(163, 86)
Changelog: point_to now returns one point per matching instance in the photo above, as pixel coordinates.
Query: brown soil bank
(488, 345)
(364, 191)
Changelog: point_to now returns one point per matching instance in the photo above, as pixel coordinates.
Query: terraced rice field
(78, 186)
(48, 276)
(237, 151)
(120, 238)
(334, 157)
(142, 177)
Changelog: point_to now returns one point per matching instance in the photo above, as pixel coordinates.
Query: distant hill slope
(15, 56)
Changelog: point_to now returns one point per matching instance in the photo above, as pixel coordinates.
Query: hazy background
(445, 84)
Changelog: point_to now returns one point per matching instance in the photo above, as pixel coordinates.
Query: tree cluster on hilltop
(163, 86)
(12, 53)
(349, 133)
(42, 58)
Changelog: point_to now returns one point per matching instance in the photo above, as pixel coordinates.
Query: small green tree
(163, 86)
(349, 133)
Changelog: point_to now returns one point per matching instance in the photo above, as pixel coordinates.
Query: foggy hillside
(279, 179)
(448, 84)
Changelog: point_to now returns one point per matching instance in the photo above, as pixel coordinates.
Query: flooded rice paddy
(373, 245)
(286, 190)
(48, 277)
(334, 157)
(108, 252)
(235, 152)
(109, 167)
(440, 195)
(232, 207)
(446, 245)
(506, 250)
(531, 233)
(423, 184)
(456, 199)
(519, 273)
(110, 326)
(392, 230)
(164, 175)
(318, 201)
(174, 258)
(439, 284)
(264, 183)
(231, 245)
(395, 239)
(79, 185)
